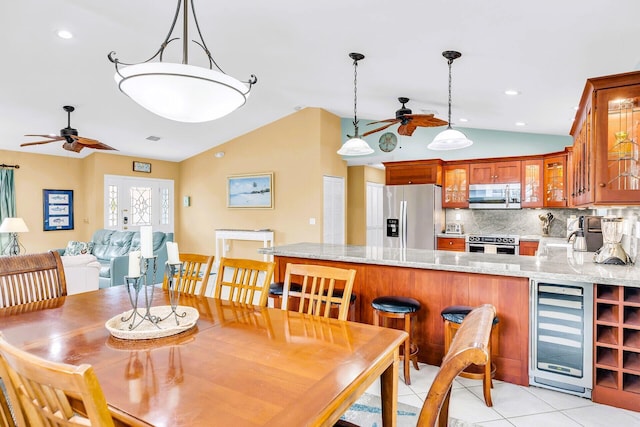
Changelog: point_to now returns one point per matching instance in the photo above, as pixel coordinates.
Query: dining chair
(319, 293)
(9, 416)
(244, 280)
(470, 345)
(196, 269)
(54, 394)
(30, 278)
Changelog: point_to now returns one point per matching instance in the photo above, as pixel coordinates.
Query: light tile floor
(513, 405)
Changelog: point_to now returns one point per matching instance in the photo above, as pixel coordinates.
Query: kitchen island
(441, 278)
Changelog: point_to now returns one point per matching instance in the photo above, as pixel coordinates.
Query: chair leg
(487, 383)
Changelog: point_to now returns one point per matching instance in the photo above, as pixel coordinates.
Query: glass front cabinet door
(531, 181)
(555, 181)
(455, 193)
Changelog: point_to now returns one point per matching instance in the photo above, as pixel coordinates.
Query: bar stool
(395, 307)
(453, 317)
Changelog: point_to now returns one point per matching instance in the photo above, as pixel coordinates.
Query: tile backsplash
(527, 222)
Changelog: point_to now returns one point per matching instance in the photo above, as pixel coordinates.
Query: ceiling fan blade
(407, 129)
(40, 142)
(48, 136)
(92, 143)
(380, 128)
(384, 121)
(426, 120)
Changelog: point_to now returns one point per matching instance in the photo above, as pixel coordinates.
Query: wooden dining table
(239, 366)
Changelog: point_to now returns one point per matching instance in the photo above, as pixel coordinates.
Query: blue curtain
(7, 200)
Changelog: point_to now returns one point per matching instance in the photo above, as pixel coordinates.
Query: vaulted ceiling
(299, 51)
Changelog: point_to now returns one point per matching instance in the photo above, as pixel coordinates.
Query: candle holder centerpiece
(145, 321)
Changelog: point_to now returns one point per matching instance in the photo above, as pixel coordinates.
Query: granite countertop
(555, 262)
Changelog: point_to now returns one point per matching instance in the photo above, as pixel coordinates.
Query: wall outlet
(312, 221)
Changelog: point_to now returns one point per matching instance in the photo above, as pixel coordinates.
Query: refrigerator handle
(403, 224)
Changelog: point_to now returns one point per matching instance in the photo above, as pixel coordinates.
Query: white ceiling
(299, 51)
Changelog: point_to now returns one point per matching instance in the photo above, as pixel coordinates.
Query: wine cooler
(561, 331)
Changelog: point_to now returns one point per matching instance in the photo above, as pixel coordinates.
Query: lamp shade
(449, 139)
(13, 225)
(182, 92)
(355, 147)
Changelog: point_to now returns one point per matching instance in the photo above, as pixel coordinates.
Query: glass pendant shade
(449, 139)
(355, 147)
(182, 92)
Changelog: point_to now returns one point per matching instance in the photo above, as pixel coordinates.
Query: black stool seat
(277, 288)
(393, 304)
(457, 313)
(339, 292)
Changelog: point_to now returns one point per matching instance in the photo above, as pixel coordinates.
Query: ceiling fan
(72, 142)
(408, 122)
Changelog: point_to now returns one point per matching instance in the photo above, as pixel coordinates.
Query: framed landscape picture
(250, 191)
(57, 209)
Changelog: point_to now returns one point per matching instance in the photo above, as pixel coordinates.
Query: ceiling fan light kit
(355, 146)
(182, 92)
(450, 139)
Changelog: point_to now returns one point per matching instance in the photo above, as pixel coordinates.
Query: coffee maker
(589, 228)
(612, 251)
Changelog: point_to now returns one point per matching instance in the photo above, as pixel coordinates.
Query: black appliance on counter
(592, 228)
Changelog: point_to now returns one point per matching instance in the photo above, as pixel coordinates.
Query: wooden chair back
(31, 278)
(470, 345)
(9, 416)
(196, 269)
(318, 289)
(49, 393)
(243, 279)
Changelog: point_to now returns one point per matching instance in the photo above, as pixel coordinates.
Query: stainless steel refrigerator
(413, 216)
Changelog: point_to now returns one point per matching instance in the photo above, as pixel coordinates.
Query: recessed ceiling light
(511, 92)
(520, 123)
(463, 120)
(64, 34)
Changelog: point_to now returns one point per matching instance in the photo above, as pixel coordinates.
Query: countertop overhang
(558, 264)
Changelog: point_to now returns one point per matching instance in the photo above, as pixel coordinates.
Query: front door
(131, 202)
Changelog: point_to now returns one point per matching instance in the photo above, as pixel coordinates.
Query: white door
(375, 218)
(333, 210)
(131, 202)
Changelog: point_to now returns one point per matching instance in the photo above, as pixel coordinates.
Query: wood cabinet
(456, 244)
(606, 132)
(555, 181)
(494, 172)
(455, 191)
(528, 247)
(413, 172)
(531, 182)
(616, 376)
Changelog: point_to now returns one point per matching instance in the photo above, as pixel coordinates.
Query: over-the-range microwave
(494, 196)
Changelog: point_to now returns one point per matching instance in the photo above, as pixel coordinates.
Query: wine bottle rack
(617, 346)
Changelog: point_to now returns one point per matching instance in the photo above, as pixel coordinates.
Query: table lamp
(13, 226)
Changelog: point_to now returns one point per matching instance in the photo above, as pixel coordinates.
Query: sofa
(82, 273)
(111, 249)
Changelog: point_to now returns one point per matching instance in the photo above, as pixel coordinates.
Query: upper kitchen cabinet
(532, 183)
(555, 181)
(605, 157)
(413, 172)
(494, 172)
(455, 193)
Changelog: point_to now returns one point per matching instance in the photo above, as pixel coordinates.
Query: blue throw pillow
(78, 248)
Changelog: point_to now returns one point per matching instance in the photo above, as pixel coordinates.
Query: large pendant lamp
(179, 91)
(355, 146)
(450, 139)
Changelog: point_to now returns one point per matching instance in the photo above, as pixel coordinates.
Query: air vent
(153, 138)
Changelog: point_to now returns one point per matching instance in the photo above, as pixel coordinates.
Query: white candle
(146, 241)
(134, 264)
(173, 255)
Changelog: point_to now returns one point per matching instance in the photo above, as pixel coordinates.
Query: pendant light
(355, 146)
(182, 92)
(450, 139)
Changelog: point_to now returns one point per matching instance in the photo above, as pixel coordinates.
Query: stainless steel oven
(493, 244)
